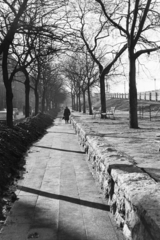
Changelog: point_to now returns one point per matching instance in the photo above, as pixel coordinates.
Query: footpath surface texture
(58, 198)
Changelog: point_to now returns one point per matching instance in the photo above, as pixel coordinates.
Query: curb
(133, 196)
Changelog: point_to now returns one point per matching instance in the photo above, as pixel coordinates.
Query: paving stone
(15, 231)
(42, 234)
(58, 197)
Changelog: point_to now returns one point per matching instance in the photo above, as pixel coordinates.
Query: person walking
(66, 114)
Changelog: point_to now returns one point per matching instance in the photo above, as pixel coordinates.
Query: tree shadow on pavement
(32, 222)
(62, 132)
(59, 149)
(65, 198)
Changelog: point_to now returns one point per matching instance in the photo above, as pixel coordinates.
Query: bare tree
(11, 13)
(43, 54)
(52, 88)
(94, 35)
(22, 51)
(57, 93)
(137, 21)
(92, 77)
(26, 17)
(81, 72)
(72, 71)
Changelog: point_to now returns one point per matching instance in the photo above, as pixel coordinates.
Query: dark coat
(66, 114)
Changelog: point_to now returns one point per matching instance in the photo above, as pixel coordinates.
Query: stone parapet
(133, 196)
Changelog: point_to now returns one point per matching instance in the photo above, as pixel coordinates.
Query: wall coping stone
(139, 189)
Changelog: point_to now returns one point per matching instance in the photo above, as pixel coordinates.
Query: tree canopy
(40, 35)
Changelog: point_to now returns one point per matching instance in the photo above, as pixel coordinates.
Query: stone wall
(133, 196)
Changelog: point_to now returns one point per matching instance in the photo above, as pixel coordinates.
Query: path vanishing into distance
(58, 198)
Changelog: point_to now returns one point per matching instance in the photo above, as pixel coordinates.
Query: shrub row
(15, 142)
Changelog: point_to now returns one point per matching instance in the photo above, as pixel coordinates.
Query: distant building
(18, 89)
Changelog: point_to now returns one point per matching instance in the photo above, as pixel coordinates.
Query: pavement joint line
(41, 183)
(72, 198)
(80, 201)
(58, 219)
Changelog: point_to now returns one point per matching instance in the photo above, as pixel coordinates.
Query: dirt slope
(123, 104)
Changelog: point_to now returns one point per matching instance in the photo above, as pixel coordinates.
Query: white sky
(148, 75)
(148, 69)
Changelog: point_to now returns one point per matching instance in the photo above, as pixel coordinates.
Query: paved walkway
(58, 198)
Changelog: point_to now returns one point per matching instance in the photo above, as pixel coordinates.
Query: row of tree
(109, 28)
(31, 34)
(81, 76)
(95, 35)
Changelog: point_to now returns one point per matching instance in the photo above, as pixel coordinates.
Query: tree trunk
(103, 94)
(8, 86)
(84, 101)
(43, 101)
(36, 101)
(79, 102)
(74, 102)
(89, 101)
(51, 106)
(13, 28)
(36, 88)
(27, 91)
(9, 104)
(48, 101)
(133, 119)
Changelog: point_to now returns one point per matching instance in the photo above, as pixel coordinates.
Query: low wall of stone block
(133, 196)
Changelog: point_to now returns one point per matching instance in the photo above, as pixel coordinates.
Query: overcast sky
(148, 75)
